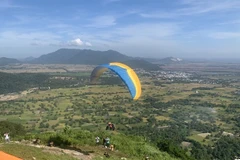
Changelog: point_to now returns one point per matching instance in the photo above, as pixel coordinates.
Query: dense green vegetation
(22, 81)
(133, 147)
(14, 129)
(19, 82)
(188, 120)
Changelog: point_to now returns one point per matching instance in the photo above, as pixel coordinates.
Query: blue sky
(144, 28)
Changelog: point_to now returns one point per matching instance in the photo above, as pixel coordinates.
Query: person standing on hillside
(97, 140)
(107, 142)
(7, 138)
(113, 127)
(104, 142)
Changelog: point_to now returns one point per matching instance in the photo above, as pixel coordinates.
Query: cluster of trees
(202, 127)
(169, 139)
(225, 148)
(166, 135)
(18, 82)
(14, 129)
(173, 149)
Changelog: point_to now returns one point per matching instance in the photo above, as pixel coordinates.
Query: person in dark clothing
(113, 127)
(104, 142)
(107, 127)
(110, 126)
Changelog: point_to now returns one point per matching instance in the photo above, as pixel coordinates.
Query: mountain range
(78, 56)
(92, 57)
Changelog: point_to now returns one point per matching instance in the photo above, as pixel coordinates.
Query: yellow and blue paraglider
(127, 74)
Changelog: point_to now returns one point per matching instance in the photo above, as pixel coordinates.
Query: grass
(27, 153)
(99, 98)
(98, 92)
(196, 138)
(131, 147)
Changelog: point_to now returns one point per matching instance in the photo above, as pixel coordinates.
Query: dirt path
(13, 96)
(59, 151)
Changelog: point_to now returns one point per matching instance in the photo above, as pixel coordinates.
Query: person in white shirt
(97, 140)
(7, 138)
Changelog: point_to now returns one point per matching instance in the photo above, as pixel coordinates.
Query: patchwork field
(188, 108)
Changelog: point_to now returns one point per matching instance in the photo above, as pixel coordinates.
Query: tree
(173, 149)
(14, 129)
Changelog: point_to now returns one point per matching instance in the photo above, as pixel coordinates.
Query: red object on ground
(5, 156)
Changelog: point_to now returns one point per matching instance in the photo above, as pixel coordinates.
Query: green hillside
(81, 142)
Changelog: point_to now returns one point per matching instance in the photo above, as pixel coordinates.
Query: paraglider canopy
(127, 74)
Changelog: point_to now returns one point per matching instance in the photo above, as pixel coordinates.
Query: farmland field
(204, 108)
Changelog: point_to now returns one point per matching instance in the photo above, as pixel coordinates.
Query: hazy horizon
(190, 59)
(152, 28)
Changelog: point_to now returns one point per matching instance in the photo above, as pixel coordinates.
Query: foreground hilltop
(73, 144)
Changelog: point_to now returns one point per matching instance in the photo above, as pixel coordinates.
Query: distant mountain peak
(91, 57)
(80, 56)
(6, 61)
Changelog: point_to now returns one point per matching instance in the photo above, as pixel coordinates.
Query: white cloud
(138, 39)
(76, 42)
(88, 44)
(23, 39)
(142, 35)
(72, 43)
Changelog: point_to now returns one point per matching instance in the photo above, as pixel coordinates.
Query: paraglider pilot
(110, 126)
